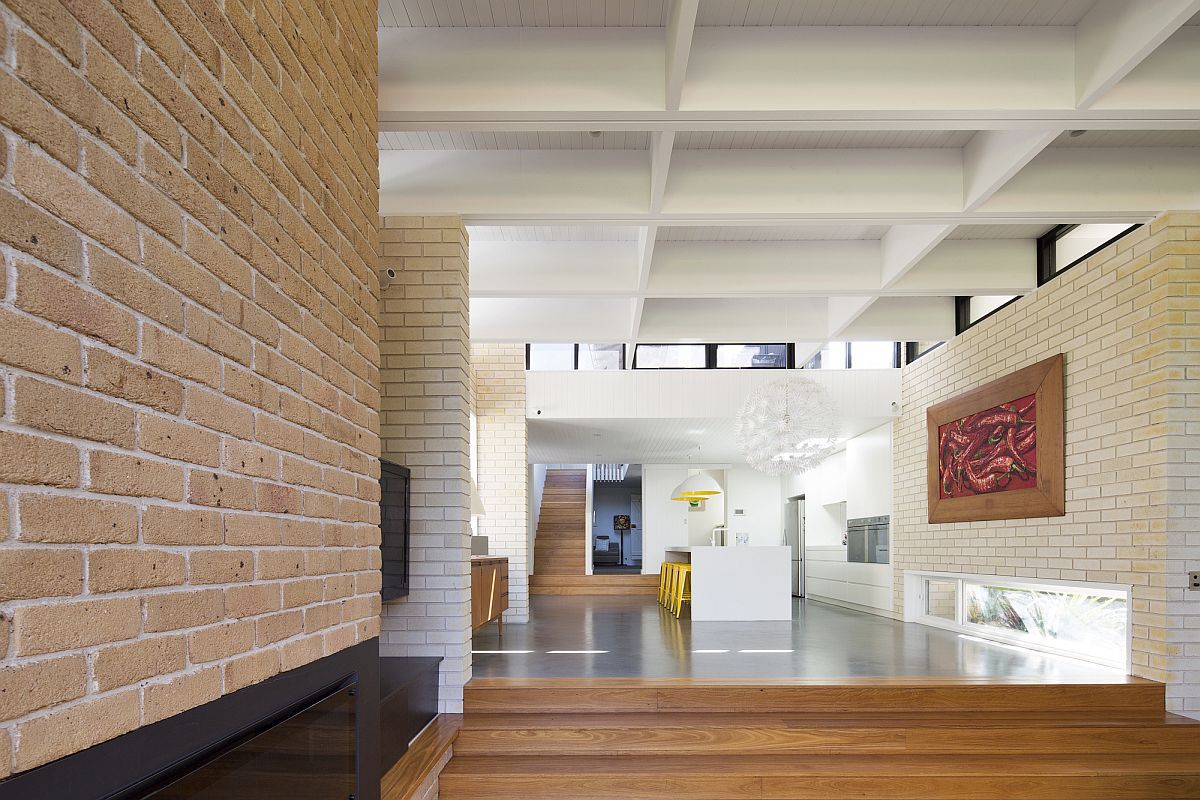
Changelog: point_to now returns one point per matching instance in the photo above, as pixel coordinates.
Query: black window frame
(1047, 251)
(575, 359)
(710, 354)
(962, 312)
(911, 353)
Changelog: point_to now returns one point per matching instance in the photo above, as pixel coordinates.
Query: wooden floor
(796, 739)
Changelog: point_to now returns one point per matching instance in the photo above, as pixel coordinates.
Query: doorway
(617, 522)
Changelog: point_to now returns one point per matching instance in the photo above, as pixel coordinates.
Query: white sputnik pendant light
(788, 426)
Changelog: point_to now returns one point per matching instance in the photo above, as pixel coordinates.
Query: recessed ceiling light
(594, 134)
(1076, 134)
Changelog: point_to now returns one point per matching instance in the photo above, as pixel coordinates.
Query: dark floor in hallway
(633, 637)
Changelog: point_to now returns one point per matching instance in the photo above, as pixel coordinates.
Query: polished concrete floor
(627, 637)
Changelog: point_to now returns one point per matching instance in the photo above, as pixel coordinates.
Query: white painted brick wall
(1129, 323)
(425, 426)
(502, 463)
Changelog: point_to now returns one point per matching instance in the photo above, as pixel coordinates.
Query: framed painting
(996, 452)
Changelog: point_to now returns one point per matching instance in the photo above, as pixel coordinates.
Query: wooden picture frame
(1047, 497)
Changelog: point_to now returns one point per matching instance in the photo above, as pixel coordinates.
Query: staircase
(558, 549)
(915, 739)
(558, 546)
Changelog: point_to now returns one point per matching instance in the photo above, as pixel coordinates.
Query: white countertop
(694, 547)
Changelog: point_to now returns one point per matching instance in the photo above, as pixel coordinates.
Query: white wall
(701, 521)
(666, 520)
(825, 502)
(869, 473)
(761, 499)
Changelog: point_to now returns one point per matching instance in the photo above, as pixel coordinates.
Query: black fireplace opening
(310, 754)
(311, 733)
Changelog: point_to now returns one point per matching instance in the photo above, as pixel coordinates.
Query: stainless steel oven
(868, 540)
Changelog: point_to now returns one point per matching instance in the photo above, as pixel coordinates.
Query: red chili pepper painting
(990, 451)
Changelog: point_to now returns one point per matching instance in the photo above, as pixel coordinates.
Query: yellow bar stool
(683, 588)
(672, 577)
(664, 576)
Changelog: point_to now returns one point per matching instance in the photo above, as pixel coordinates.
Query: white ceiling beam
(747, 78)
(647, 239)
(1071, 181)
(662, 144)
(1116, 35)
(843, 311)
(1123, 117)
(700, 269)
(856, 186)
(680, 28)
(904, 245)
(992, 158)
(1120, 212)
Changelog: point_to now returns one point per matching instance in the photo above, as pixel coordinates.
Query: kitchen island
(739, 582)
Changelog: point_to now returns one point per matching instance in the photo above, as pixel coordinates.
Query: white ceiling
(659, 170)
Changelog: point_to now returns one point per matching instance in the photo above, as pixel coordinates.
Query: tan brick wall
(1127, 322)
(188, 355)
(425, 426)
(502, 463)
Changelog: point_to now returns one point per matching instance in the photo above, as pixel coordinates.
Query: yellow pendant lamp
(697, 487)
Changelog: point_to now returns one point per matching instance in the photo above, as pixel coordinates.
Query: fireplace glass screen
(311, 754)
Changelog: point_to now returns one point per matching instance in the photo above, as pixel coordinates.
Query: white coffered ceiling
(661, 170)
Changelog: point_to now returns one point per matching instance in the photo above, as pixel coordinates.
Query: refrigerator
(793, 537)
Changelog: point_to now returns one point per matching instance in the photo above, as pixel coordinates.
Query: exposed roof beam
(662, 144)
(700, 269)
(844, 310)
(784, 120)
(907, 186)
(1046, 217)
(904, 245)
(1116, 35)
(647, 238)
(991, 158)
(680, 28)
(621, 76)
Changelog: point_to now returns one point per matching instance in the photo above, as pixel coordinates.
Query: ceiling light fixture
(788, 426)
(1076, 134)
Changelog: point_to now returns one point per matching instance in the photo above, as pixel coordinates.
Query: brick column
(502, 463)
(425, 426)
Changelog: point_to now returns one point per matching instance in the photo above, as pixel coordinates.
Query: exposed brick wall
(1127, 321)
(188, 355)
(425, 426)
(502, 464)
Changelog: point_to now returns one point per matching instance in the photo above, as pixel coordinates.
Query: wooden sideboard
(489, 590)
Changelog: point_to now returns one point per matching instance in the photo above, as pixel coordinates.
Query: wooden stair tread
(794, 720)
(958, 765)
(421, 758)
(548, 695)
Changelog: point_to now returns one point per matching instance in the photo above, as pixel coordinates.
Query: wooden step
(598, 580)
(765, 734)
(585, 590)
(895, 777)
(639, 585)
(618, 695)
